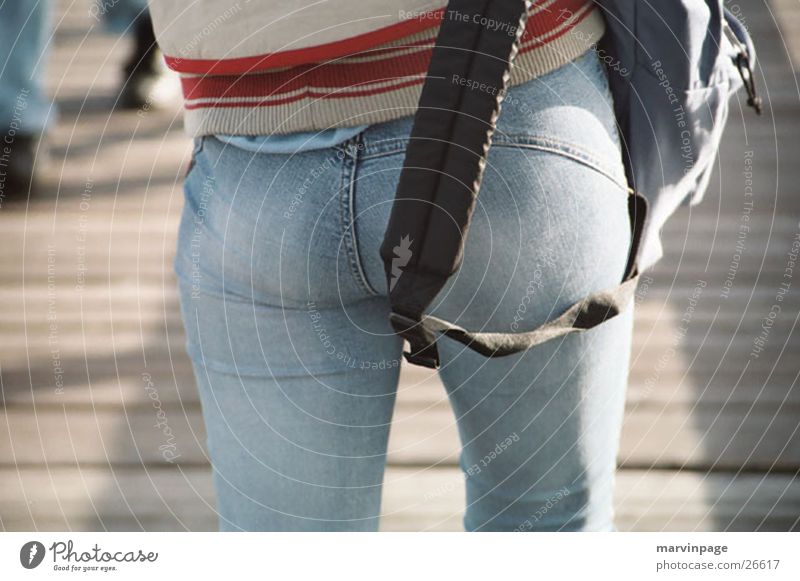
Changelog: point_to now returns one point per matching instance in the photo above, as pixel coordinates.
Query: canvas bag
(684, 60)
(704, 55)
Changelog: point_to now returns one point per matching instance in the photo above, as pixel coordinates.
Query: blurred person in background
(26, 112)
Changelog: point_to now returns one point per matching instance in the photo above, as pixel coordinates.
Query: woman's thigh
(296, 365)
(540, 429)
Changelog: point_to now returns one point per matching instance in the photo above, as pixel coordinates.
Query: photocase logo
(402, 254)
(31, 554)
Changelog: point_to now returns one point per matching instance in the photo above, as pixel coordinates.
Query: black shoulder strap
(424, 240)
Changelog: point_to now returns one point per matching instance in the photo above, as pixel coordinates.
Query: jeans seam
(384, 147)
(565, 149)
(386, 153)
(347, 217)
(546, 144)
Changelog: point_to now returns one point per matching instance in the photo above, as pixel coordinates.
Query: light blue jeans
(283, 297)
(24, 35)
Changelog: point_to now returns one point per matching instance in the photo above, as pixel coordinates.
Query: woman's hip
(551, 214)
(551, 220)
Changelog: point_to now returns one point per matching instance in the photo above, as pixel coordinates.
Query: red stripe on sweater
(311, 93)
(541, 23)
(329, 75)
(306, 94)
(313, 77)
(302, 56)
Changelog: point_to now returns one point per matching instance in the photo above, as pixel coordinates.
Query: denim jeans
(284, 300)
(24, 34)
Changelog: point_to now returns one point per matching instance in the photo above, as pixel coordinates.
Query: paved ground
(89, 328)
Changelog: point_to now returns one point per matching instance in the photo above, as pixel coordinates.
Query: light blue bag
(673, 65)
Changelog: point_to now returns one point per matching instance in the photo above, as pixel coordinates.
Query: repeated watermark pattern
(53, 340)
(538, 277)
(456, 16)
(784, 286)
(478, 467)
(169, 449)
(679, 332)
(743, 227)
(6, 147)
(530, 522)
(195, 245)
(344, 356)
(84, 205)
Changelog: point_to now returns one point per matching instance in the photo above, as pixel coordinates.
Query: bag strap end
(422, 342)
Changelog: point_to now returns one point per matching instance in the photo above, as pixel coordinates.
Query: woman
(299, 142)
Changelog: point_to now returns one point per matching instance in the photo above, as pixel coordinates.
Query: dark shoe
(142, 71)
(21, 164)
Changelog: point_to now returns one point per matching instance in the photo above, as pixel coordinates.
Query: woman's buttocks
(551, 218)
(551, 221)
(572, 106)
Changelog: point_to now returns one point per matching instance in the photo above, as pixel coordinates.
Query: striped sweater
(269, 67)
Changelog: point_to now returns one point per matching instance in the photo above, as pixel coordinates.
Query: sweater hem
(315, 113)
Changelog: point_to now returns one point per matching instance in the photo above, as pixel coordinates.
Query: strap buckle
(744, 67)
(421, 340)
(746, 72)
